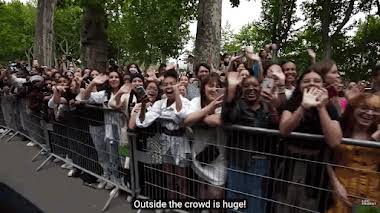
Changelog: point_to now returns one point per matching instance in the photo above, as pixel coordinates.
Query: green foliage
(278, 17)
(148, 31)
(67, 28)
(252, 34)
(16, 30)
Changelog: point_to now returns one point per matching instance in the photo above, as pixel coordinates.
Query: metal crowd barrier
(270, 173)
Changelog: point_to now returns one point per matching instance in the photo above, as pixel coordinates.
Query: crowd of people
(256, 90)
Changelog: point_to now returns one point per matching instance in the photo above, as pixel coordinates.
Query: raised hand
(60, 89)
(253, 56)
(234, 78)
(278, 77)
(126, 88)
(322, 98)
(376, 134)
(234, 58)
(352, 91)
(137, 108)
(311, 53)
(101, 79)
(267, 97)
(309, 98)
(217, 103)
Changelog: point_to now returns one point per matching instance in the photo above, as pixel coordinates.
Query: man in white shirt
(290, 70)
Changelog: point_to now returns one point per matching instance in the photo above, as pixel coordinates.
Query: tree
(331, 17)
(252, 34)
(16, 30)
(152, 30)
(278, 17)
(207, 43)
(93, 36)
(67, 28)
(43, 50)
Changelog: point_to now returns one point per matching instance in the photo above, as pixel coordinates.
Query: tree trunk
(94, 39)
(326, 21)
(43, 50)
(207, 43)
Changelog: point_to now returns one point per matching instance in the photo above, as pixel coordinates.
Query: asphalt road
(50, 189)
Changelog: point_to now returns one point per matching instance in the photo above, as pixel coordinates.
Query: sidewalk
(50, 189)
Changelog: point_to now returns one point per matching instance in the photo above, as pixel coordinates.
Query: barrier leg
(5, 133)
(43, 163)
(37, 155)
(14, 135)
(113, 194)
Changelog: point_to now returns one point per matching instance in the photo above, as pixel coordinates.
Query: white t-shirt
(216, 171)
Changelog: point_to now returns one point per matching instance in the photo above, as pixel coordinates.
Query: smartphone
(140, 93)
(220, 92)
(267, 85)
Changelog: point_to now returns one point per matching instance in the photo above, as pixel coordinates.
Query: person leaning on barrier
(125, 98)
(308, 111)
(112, 83)
(254, 108)
(208, 153)
(360, 121)
(175, 148)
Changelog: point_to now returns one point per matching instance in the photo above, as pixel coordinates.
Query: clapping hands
(314, 97)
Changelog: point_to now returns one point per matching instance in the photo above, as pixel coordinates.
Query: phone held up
(267, 85)
(140, 93)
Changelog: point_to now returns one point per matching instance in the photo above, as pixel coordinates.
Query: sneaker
(44, 152)
(30, 144)
(109, 186)
(56, 160)
(101, 185)
(65, 166)
(2, 131)
(73, 173)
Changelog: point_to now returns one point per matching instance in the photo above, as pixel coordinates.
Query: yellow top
(361, 178)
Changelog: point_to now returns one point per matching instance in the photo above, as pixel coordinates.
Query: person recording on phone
(256, 108)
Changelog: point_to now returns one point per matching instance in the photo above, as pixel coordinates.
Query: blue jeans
(247, 184)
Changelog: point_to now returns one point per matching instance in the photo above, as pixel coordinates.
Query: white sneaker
(101, 185)
(71, 172)
(2, 131)
(109, 186)
(30, 144)
(65, 166)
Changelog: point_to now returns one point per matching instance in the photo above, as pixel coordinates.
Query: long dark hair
(213, 77)
(295, 100)
(348, 121)
(107, 86)
(129, 66)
